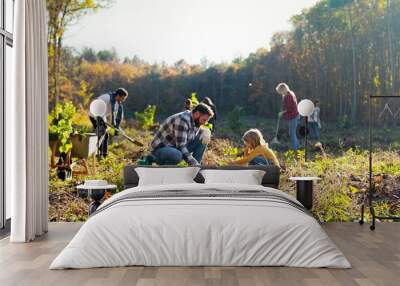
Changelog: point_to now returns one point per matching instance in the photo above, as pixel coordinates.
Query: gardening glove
(280, 114)
(319, 125)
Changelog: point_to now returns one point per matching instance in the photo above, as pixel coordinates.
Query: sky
(170, 30)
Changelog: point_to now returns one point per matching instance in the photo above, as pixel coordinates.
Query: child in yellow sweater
(256, 150)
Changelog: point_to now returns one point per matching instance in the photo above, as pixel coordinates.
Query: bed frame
(270, 179)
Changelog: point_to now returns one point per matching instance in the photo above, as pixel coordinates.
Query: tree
(89, 55)
(316, 58)
(61, 14)
(107, 55)
(390, 43)
(347, 4)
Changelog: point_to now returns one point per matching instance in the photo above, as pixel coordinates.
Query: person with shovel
(290, 112)
(114, 102)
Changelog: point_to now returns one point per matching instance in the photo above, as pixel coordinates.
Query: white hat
(96, 185)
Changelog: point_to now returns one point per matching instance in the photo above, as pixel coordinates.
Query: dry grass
(344, 178)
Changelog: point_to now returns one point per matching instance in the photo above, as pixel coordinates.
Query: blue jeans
(293, 123)
(314, 130)
(172, 156)
(260, 160)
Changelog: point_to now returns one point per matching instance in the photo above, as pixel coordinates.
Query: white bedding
(189, 231)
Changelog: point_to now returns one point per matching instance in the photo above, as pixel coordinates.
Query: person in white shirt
(115, 113)
(315, 122)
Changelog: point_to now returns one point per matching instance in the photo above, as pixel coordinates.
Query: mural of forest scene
(338, 52)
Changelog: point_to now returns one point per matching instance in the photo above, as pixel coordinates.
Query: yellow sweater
(261, 150)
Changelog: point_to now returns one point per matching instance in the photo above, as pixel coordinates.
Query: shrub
(146, 118)
(194, 99)
(81, 121)
(344, 122)
(109, 169)
(233, 117)
(60, 125)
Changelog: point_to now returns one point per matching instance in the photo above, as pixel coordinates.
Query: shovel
(275, 140)
(122, 132)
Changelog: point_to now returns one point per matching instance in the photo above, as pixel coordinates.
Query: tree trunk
(390, 42)
(221, 88)
(54, 68)
(353, 49)
(58, 66)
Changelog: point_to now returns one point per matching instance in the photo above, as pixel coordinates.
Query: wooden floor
(375, 257)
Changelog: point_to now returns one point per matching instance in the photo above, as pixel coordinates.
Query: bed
(201, 224)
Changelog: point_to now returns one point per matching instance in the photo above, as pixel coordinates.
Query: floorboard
(375, 257)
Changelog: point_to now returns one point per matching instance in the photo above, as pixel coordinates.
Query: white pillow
(248, 177)
(166, 176)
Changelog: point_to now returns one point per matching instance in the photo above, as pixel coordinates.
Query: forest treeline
(338, 51)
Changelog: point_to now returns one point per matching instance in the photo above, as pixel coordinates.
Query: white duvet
(204, 231)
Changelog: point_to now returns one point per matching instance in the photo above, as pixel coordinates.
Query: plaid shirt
(176, 131)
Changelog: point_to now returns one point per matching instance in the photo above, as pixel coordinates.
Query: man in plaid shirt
(179, 137)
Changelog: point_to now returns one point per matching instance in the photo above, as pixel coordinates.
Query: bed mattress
(201, 225)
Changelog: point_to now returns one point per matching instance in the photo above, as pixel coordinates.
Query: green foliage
(74, 213)
(234, 122)
(344, 122)
(232, 151)
(384, 164)
(318, 51)
(209, 126)
(392, 169)
(183, 164)
(110, 169)
(85, 93)
(194, 99)
(61, 14)
(344, 177)
(107, 55)
(337, 4)
(382, 208)
(290, 156)
(146, 118)
(335, 198)
(89, 54)
(60, 125)
(354, 190)
(334, 205)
